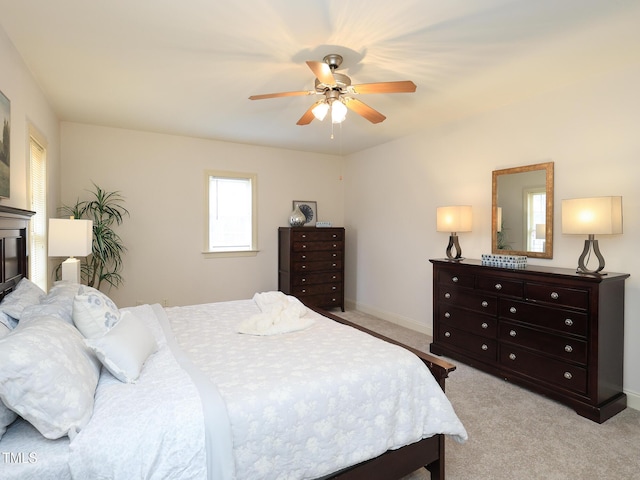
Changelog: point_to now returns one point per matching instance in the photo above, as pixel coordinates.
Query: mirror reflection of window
(536, 213)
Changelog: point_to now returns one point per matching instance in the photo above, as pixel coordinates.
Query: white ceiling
(188, 67)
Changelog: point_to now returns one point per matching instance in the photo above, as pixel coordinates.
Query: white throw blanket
(280, 313)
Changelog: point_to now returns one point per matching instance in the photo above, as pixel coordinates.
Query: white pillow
(48, 376)
(93, 312)
(26, 293)
(7, 417)
(125, 347)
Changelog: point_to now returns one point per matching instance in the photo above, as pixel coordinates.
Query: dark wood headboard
(14, 265)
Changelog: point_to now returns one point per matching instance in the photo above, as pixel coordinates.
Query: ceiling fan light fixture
(320, 110)
(338, 111)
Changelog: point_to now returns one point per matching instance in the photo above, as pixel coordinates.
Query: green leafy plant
(106, 210)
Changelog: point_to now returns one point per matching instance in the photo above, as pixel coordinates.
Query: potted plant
(106, 210)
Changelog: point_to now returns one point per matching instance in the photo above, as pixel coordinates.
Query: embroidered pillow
(48, 376)
(93, 312)
(26, 293)
(125, 347)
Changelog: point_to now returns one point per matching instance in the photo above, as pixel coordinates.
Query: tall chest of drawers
(551, 330)
(311, 265)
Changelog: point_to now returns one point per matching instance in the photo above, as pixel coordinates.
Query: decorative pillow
(48, 376)
(58, 303)
(93, 312)
(26, 293)
(7, 417)
(124, 349)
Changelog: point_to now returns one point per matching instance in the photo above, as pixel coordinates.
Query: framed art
(5, 146)
(310, 210)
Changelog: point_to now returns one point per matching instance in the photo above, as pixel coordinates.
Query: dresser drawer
(316, 235)
(450, 277)
(314, 278)
(315, 256)
(499, 285)
(299, 267)
(566, 348)
(556, 295)
(472, 345)
(317, 246)
(316, 289)
(544, 368)
(478, 302)
(322, 300)
(561, 320)
(484, 325)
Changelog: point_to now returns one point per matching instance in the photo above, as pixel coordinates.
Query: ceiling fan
(337, 91)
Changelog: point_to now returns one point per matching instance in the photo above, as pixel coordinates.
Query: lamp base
(590, 244)
(453, 243)
(71, 270)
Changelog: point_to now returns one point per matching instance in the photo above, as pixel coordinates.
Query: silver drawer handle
(568, 375)
(568, 322)
(335, 235)
(555, 295)
(498, 286)
(304, 290)
(304, 235)
(512, 356)
(485, 304)
(303, 266)
(513, 333)
(484, 325)
(447, 334)
(447, 295)
(304, 246)
(568, 348)
(334, 245)
(333, 277)
(334, 287)
(513, 310)
(333, 299)
(334, 265)
(454, 279)
(304, 280)
(484, 347)
(447, 315)
(304, 257)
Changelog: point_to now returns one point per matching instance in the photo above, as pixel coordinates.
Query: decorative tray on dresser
(311, 265)
(549, 329)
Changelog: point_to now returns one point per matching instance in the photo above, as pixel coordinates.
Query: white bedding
(308, 403)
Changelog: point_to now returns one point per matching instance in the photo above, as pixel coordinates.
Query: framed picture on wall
(310, 210)
(5, 146)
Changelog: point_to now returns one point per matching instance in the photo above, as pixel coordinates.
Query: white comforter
(308, 403)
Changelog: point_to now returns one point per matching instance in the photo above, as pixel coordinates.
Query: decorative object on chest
(552, 330)
(311, 265)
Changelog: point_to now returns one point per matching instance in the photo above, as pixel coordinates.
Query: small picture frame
(310, 210)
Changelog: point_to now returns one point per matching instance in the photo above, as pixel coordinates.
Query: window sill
(231, 253)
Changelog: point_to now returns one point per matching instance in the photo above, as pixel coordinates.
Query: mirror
(522, 211)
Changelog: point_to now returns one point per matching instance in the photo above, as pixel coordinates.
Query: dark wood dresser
(549, 329)
(311, 265)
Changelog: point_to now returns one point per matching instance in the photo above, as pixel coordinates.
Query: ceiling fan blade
(365, 110)
(281, 94)
(308, 116)
(322, 71)
(404, 86)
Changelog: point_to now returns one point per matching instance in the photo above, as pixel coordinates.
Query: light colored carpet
(515, 434)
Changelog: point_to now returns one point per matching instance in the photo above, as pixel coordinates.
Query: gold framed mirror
(522, 211)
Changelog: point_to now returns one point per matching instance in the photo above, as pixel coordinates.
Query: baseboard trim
(390, 317)
(633, 399)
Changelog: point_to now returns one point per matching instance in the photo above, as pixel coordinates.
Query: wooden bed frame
(14, 224)
(427, 453)
(394, 464)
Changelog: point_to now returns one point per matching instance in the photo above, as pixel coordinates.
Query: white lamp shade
(70, 237)
(454, 218)
(338, 111)
(592, 216)
(320, 110)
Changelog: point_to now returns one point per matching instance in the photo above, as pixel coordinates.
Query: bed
(212, 402)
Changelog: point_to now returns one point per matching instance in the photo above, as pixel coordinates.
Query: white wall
(589, 130)
(162, 178)
(28, 107)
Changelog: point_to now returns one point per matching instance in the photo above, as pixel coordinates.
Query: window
(38, 203)
(231, 213)
(536, 202)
